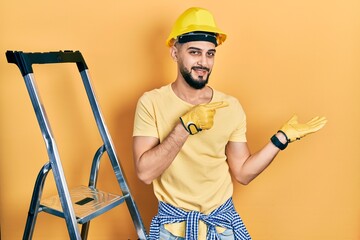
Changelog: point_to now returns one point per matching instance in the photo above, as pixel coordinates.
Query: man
(189, 139)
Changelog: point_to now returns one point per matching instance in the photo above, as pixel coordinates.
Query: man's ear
(174, 53)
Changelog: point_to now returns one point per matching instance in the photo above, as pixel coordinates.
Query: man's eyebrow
(199, 49)
(194, 48)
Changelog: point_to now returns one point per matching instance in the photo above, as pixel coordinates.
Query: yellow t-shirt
(199, 178)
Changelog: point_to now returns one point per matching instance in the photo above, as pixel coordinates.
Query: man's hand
(295, 131)
(201, 117)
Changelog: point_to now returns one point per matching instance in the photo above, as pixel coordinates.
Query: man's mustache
(201, 68)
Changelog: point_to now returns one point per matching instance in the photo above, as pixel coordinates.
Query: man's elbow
(144, 177)
(244, 180)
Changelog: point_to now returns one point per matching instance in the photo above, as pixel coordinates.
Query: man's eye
(195, 52)
(211, 54)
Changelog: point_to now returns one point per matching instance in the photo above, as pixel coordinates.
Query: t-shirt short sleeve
(144, 121)
(239, 134)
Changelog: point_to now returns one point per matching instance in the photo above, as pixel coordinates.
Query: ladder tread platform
(88, 203)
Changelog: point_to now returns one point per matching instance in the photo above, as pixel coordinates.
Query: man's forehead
(201, 45)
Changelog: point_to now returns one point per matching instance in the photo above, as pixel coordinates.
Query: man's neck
(192, 95)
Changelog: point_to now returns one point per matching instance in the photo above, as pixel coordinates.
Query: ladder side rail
(112, 155)
(96, 166)
(35, 201)
(54, 157)
(104, 131)
(92, 183)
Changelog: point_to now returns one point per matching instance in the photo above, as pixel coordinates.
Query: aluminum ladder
(83, 203)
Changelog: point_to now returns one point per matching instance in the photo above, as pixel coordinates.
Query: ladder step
(88, 203)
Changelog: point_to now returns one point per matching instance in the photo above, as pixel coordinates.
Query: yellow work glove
(201, 117)
(294, 130)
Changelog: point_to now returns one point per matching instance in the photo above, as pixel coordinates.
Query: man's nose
(203, 61)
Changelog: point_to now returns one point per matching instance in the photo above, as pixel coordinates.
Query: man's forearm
(155, 161)
(256, 163)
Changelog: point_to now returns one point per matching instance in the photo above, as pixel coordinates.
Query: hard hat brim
(221, 36)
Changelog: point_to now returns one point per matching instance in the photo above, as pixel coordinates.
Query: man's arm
(245, 166)
(153, 158)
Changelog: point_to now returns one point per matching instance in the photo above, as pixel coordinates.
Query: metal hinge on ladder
(83, 203)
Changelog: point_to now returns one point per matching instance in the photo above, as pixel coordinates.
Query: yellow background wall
(281, 57)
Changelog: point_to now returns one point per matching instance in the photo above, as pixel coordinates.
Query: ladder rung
(87, 202)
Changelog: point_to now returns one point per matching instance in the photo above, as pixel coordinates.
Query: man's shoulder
(156, 92)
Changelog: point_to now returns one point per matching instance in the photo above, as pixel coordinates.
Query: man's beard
(197, 84)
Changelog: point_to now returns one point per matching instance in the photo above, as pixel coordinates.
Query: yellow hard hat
(198, 20)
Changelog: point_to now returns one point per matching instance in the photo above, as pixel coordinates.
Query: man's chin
(200, 79)
(199, 84)
(196, 81)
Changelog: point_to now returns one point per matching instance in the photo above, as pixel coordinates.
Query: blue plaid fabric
(224, 216)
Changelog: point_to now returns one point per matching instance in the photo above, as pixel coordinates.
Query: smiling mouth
(201, 70)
